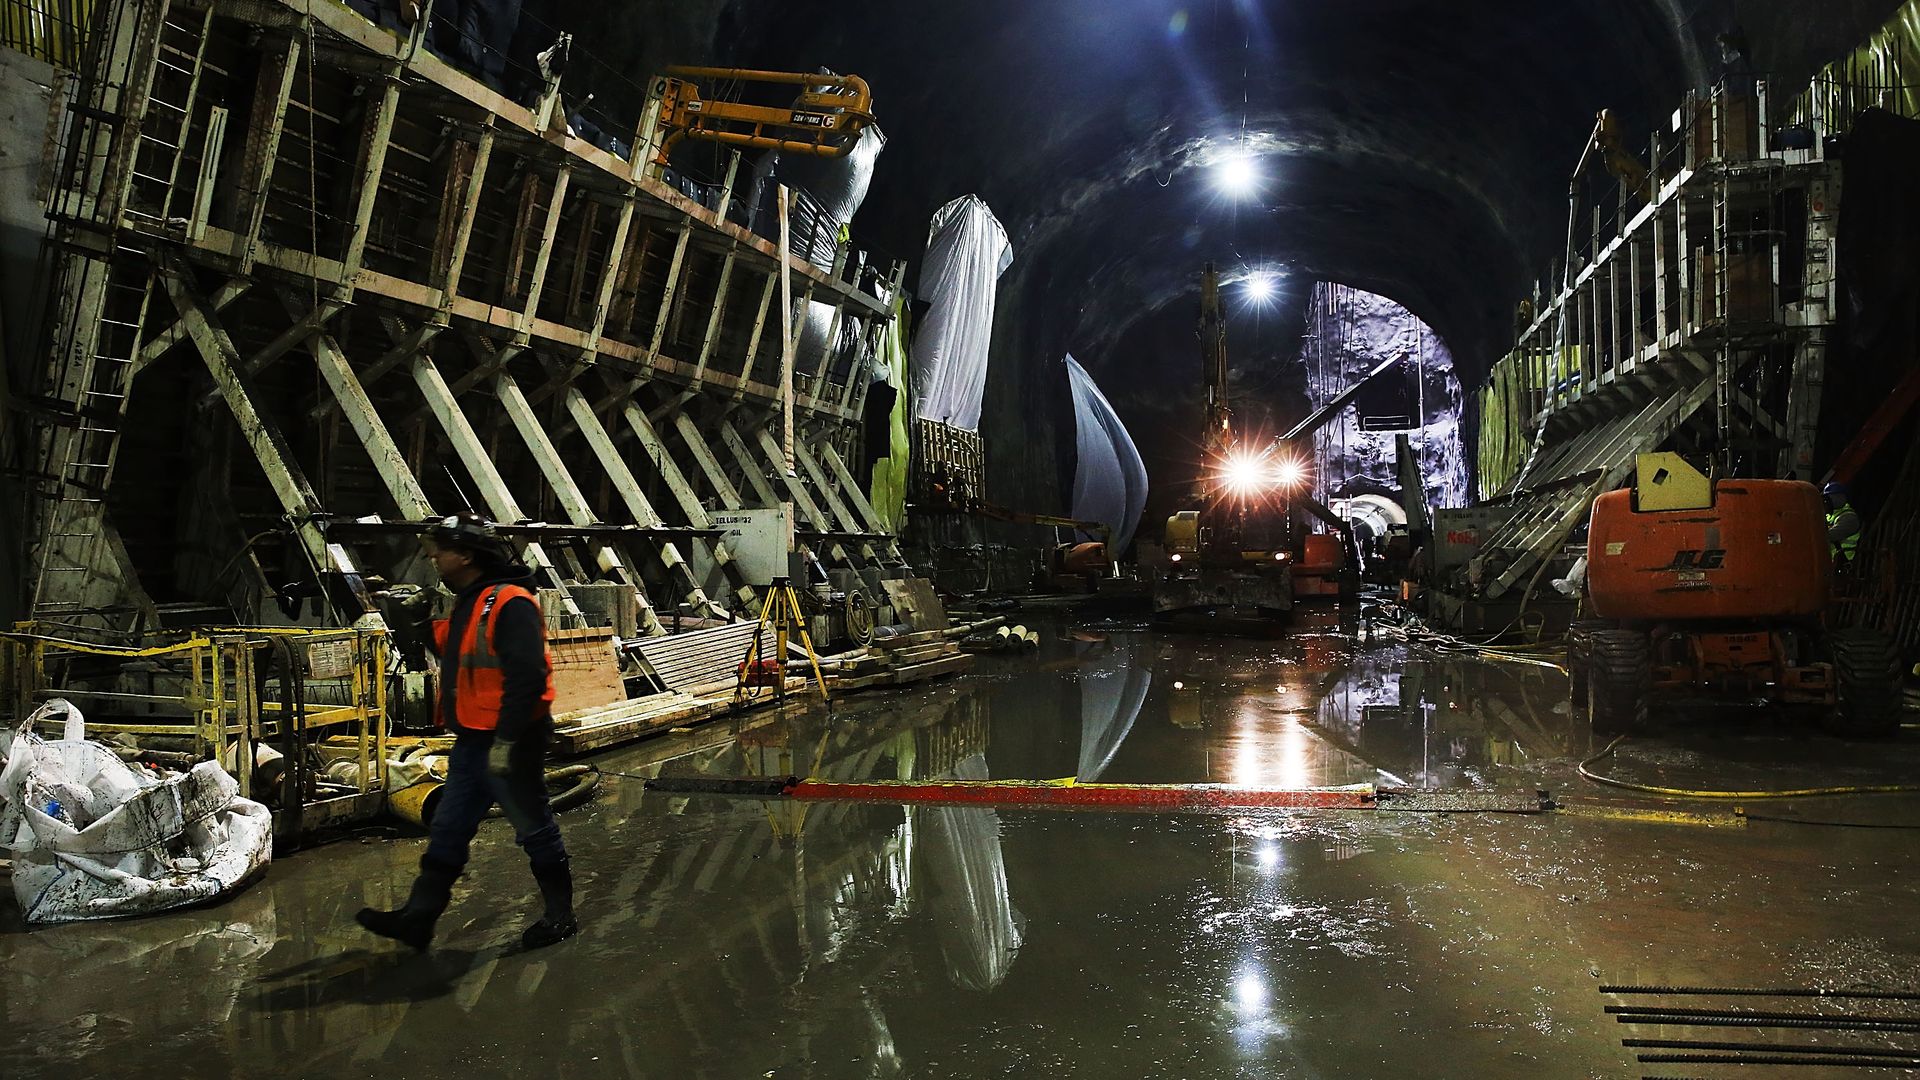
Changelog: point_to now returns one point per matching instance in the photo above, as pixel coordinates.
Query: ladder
(1595, 462)
(161, 133)
(88, 407)
(121, 151)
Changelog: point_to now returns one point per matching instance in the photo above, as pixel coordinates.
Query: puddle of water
(730, 938)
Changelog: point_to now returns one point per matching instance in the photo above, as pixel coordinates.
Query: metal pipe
(1809, 1023)
(1773, 1048)
(1746, 991)
(1663, 1010)
(1744, 1059)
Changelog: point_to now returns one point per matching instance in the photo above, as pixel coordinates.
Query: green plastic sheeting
(889, 488)
(1510, 402)
(1879, 72)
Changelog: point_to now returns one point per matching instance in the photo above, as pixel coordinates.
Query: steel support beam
(297, 497)
(610, 275)
(683, 493)
(670, 292)
(157, 346)
(456, 224)
(750, 465)
(714, 318)
(753, 338)
(852, 487)
(628, 488)
(573, 502)
(696, 444)
(801, 498)
(493, 487)
(305, 325)
(372, 163)
(272, 90)
(544, 257)
(385, 454)
(831, 493)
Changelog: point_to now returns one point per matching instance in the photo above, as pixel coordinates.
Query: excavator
(824, 117)
(1241, 550)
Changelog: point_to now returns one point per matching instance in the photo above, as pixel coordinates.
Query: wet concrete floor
(726, 938)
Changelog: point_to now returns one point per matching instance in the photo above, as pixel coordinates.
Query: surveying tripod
(781, 608)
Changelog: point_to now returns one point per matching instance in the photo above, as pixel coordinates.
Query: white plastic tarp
(1113, 687)
(92, 838)
(967, 251)
(1109, 480)
(978, 927)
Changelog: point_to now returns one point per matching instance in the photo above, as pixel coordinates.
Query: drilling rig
(1230, 550)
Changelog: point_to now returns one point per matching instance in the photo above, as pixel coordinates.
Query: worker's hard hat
(469, 532)
(1835, 491)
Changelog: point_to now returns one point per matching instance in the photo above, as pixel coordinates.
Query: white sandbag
(92, 838)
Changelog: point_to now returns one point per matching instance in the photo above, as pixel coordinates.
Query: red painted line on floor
(1093, 796)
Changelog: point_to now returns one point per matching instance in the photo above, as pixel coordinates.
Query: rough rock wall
(1349, 333)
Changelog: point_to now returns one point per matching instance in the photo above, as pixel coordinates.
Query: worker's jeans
(471, 790)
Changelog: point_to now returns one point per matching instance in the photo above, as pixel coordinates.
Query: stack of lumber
(585, 730)
(897, 661)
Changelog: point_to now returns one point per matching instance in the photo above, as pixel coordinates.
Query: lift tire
(1619, 677)
(1579, 650)
(1867, 668)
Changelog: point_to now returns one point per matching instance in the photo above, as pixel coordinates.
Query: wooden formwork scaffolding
(314, 284)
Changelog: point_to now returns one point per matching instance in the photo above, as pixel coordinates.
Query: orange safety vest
(478, 679)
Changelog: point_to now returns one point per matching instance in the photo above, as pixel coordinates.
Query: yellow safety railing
(50, 30)
(227, 693)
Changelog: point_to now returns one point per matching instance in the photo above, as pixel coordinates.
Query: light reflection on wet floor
(742, 939)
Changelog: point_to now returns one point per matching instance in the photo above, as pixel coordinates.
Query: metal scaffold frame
(499, 316)
(1699, 316)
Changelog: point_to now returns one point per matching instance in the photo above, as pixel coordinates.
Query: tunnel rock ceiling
(1414, 148)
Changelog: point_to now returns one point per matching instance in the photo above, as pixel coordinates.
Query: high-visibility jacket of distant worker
(479, 679)
(1848, 542)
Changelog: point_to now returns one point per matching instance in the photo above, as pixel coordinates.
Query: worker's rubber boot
(412, 923)
(557, 924)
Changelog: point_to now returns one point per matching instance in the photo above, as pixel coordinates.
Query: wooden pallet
(596, 729)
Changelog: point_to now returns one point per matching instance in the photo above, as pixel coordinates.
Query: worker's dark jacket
(520, 642)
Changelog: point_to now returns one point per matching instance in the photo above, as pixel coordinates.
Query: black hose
(703, 785)
(586, 782)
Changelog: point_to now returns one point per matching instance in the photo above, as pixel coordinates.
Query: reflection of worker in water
(496, 695)
(1843, 524)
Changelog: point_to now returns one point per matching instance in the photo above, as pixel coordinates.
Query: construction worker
(496, 693)
(1843, 524)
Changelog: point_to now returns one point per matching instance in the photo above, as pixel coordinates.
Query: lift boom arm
(825, 118)
(1023, 517)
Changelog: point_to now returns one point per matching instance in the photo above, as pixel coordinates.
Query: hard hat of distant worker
(1835, 494)
(471, 533)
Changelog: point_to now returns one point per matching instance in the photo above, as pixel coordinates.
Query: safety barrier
(50, 30)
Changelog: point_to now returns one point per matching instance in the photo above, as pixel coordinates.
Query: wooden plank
(586, 671)
(951, 665)
(588, 737)
(915, 599)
